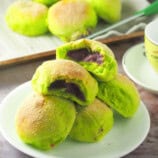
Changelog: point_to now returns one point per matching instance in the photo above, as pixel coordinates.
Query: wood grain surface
(13, 76)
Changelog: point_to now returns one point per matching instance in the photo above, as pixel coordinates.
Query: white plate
(138, 68)
(126, 135)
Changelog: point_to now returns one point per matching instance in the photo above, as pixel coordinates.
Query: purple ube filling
(69, 88)
(85, 55)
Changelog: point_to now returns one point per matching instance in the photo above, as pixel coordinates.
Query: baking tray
(15, 48)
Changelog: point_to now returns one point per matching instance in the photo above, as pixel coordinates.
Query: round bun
(44, 121)
(110, 11)
(94, 56)
(27, 17)
(120, 94)
(65, 78)
(71, 19)
(92, 123)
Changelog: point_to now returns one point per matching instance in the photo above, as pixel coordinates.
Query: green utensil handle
(150, 10)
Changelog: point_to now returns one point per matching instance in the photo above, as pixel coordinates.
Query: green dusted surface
(105, 71)
(92, 122)
(49, 72)
(121, 95)
(27, 17)
(70, 20)
(44, 121)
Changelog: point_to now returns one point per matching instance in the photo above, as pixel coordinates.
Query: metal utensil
(149, 10)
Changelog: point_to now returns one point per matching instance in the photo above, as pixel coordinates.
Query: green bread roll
(27, 17)
(71, 19)
(47, 2)
(121, 95)
(94, 56)
(44, 121)
(66, 79)
(108, 10)
(92, 122)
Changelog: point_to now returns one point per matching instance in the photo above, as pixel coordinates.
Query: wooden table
(16, 75)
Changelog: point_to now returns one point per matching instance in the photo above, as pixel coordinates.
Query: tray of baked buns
(32, 30)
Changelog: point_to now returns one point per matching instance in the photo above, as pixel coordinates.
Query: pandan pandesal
(71, 19)
(44, 121)
(121, 95)
(94, 56)
(92, 122)
(65, 78)
(108, 10)
(27, 17)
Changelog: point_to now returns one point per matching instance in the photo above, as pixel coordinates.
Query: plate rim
(128, 51)
(26, 151)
